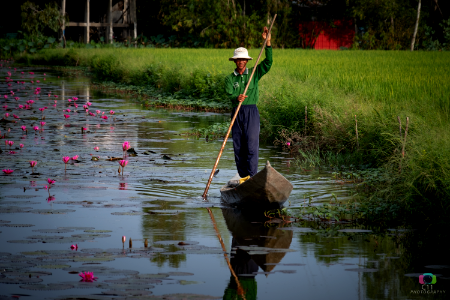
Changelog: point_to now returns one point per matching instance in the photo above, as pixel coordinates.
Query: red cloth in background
(325, 35)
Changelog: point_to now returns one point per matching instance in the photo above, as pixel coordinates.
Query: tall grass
(333, 86)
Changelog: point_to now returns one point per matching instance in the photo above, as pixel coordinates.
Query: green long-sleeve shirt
(235, 83)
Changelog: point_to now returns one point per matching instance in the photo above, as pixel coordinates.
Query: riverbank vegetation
(311, 101)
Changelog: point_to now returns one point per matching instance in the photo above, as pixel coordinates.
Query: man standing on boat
(245, 129)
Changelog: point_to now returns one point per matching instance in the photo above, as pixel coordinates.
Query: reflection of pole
(63, 91)
(240, 290)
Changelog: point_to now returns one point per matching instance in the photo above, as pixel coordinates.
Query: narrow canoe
(267, 189)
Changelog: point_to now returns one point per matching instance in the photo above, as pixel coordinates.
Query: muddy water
(156, 203)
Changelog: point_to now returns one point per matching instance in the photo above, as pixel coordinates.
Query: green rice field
(332, 87)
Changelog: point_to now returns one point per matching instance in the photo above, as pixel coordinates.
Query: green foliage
(212, 132)
(431, 44)
(35, 20)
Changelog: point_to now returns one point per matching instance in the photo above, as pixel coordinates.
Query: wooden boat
(249, 230)
(267, 189)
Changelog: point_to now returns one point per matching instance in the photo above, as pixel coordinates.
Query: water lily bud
(123, 239)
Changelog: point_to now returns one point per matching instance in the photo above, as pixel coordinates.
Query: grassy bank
(327, 87)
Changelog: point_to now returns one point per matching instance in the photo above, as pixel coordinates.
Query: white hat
(240, 52)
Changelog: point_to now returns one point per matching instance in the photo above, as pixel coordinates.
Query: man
(245, 130)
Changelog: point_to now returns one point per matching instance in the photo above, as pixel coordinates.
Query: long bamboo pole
(236, 113)
(240, 290)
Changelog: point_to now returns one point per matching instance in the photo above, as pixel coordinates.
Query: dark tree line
(379, 24)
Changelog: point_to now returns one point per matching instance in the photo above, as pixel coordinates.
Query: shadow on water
(156, 202)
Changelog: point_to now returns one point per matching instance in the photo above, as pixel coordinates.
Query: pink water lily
(50, 199)
(67, 110)
(126, 146)
(10, 143)
(96, 148)
(123, 163)
(42, 124)
(75, 157)
(21, 146)
(85, 106)
(74, 247)
(50, 181)
(16, 117)
(36, 128)
(16, 98)
(74, 98)
(104, 117)
(6, 115)
(7, 171)
(70, 100)
(65, 160)
(97, 111)
(41, 109)
(66, 116)
(87, 277)
(88, 103)
(111, 112)
(32, 165)
(91, 114)
(20, 106)
(288, 143)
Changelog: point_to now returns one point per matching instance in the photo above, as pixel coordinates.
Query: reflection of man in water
(242, 263)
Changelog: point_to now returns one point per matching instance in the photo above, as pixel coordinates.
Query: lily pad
(93, 259)
(16, 225)
(183, 296)
(437, 267)
(186, 282)
(52, 230)
(177, 274)
(14, 209)
(77, 228)
(47, 287)
(152, 276)
(23, 241)
(26, 273)
(20, 280)
(133, 281)
(128, 213)
(183, 243)
(53, 266)
(52, 211)
(4, 221)
(35, 253)
(91, 235)
(362, 270)
(101, 270)
(128, 293)
(97, 231)
(355, 230)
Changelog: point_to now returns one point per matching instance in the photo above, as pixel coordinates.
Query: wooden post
(133, 19)
(306, 117)
(87, 19)
(404, 140)
(109, 21)
(63, 27)
(413, 40)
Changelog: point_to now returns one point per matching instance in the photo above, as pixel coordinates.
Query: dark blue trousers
(245, 133)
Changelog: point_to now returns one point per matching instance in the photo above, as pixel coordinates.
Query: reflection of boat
(266, 189)
(246, 233)
(244, 264)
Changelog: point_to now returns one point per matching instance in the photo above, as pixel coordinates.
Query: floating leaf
(20, 280)
(355, 230)
(53, 266)
(97, 231)
(26, 273)
(52, 211)
(77, 228)
(16, 225)
(362, 270)
(186, 282)
(52, 230)
(47, 287)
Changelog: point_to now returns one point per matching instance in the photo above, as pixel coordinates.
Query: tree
(413, 40)
(35, 21)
